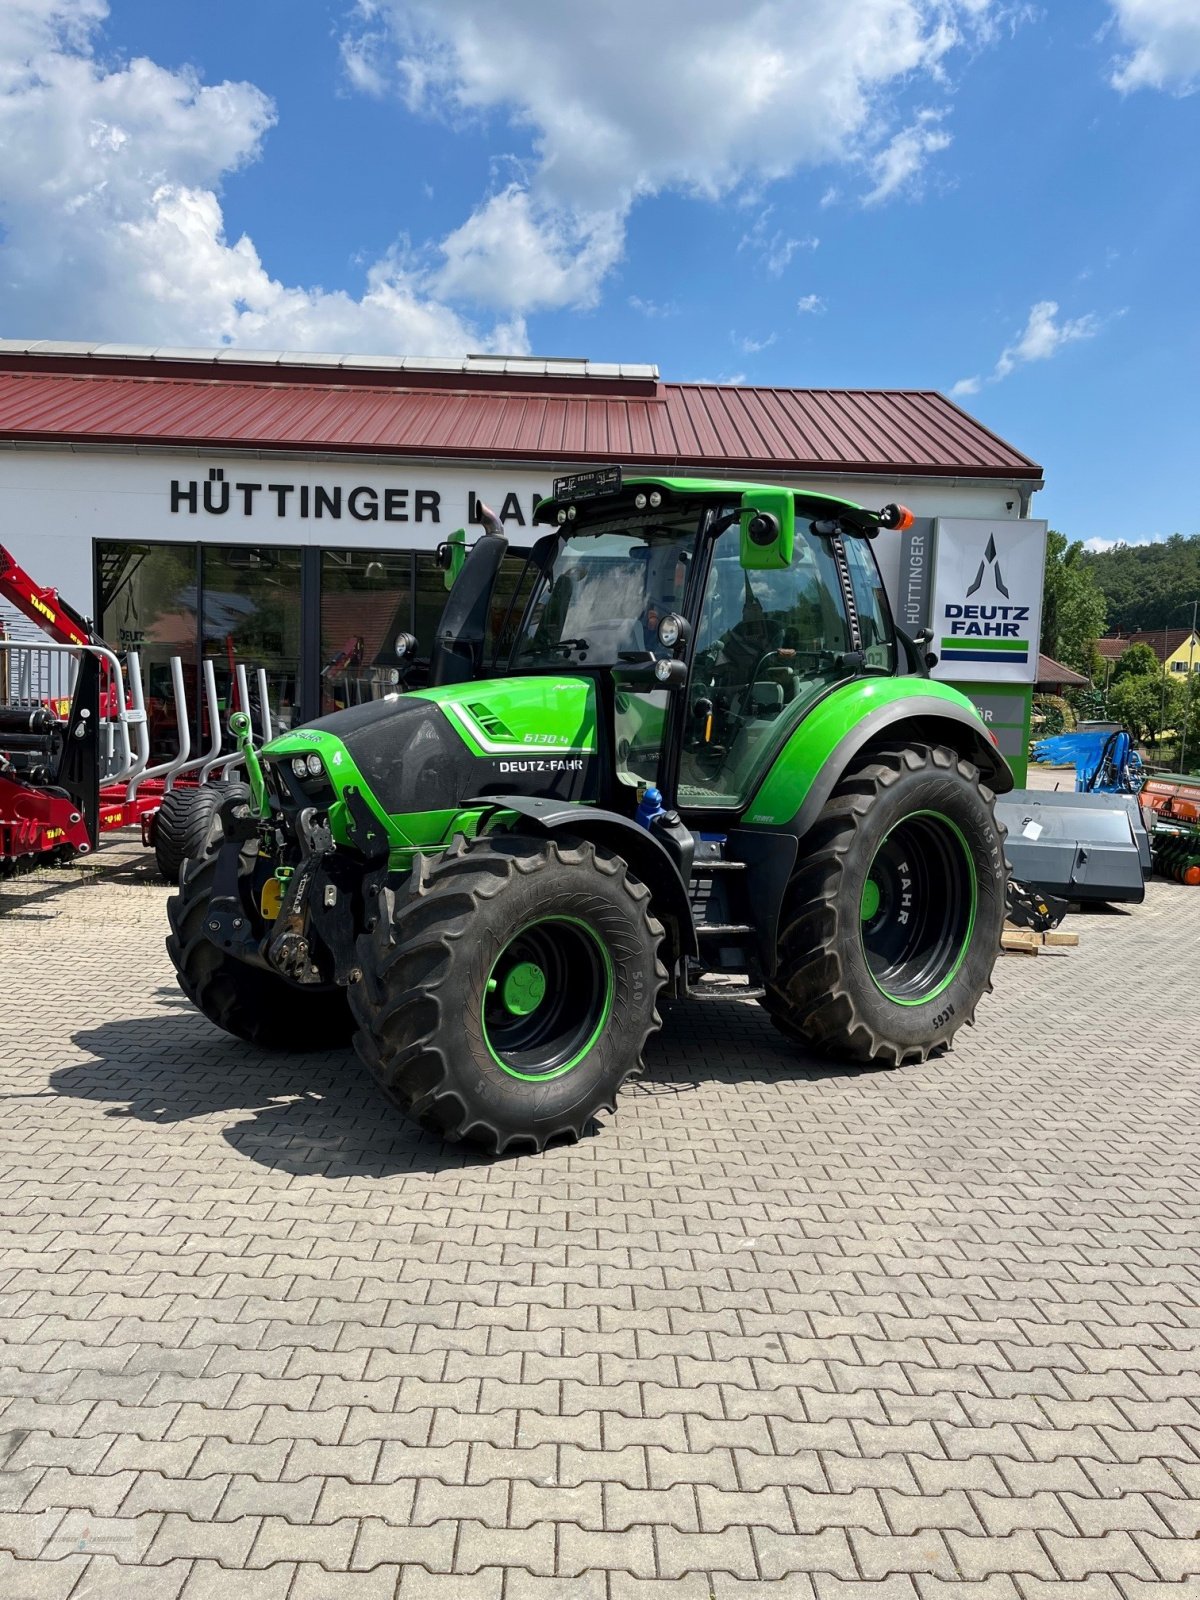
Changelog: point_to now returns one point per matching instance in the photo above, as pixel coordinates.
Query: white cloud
(899, 165)
(622, 100)
(517, 252)
(626, 98)
(811, 305)
(772, 246)
(110, 218)
(752, 347)
(1098, 546)
(1164, 41)
(1043, 336)
(653, 308)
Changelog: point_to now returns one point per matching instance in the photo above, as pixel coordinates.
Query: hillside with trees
(1146, 585)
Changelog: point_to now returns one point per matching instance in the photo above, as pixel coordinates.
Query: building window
(146, 600)
(251, 615)
(1179, 666)
(366, 600)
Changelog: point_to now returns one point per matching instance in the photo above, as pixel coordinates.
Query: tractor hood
(418, 759)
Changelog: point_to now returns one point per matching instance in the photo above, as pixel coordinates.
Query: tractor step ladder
(727, 937)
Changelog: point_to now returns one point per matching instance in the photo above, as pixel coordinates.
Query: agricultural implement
(1174, 807)
(696, 747)
(75, 745)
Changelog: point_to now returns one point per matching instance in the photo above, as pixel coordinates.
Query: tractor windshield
(604, 594)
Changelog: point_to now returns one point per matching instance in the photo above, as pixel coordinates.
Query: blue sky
(992, 199)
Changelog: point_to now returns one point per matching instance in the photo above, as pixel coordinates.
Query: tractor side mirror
(768, 529)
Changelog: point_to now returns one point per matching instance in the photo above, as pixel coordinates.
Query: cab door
(769, 644)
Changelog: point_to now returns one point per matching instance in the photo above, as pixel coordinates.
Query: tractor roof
(608, 484)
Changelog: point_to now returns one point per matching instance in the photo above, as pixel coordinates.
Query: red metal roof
(1163, 641)
(634, 421)
(1053, 672)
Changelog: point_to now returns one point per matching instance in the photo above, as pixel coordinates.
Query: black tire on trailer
(182, 825)
(508, 989)
(891, 924)
(253, 1004)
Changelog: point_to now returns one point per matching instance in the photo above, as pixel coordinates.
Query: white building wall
(55, 502)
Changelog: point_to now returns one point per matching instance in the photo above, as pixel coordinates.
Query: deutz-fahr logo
(982, 632)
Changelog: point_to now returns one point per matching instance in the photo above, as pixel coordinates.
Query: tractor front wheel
(508, 989)
(247, 1001)
(892, 922)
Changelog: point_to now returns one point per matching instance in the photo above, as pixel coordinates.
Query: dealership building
(285, 509)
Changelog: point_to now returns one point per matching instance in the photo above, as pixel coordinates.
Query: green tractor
(689, 744)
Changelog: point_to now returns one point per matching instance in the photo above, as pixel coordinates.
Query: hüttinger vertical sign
(987, 599)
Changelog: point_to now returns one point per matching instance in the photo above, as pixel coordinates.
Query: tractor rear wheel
(891, 925)
(508, 989)
(247, 1001)
(182, 825)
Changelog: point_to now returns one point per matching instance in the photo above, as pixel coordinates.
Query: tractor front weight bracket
(226, 922)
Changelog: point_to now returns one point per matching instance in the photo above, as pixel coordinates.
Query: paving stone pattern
(778, 1328)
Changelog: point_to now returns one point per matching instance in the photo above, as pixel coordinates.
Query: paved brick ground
(777, 1329)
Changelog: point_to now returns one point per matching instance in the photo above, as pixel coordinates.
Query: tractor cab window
(603, 598)
(768, 644)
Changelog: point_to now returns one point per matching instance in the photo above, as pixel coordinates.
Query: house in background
(1178, 649)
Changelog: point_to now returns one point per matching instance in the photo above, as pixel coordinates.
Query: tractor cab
(707, 618)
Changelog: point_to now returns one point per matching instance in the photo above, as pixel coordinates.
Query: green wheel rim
(547, 999)
(917, 909)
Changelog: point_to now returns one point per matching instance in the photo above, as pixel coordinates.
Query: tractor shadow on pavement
(320, 1115)
(306, 1115)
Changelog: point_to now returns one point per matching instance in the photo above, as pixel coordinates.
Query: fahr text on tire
(183, 823)
(891, 925)
(248, 1001)
(508, 989)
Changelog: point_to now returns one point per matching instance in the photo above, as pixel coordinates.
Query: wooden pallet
(1024, 941)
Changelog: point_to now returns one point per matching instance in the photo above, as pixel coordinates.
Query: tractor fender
(625, 838)
(921, 718)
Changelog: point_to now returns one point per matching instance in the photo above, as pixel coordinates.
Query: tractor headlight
(639, 500)
(672, 630)
(315, 766)
(655, 499)
(562, 514)
(300, 766)
(570, 513)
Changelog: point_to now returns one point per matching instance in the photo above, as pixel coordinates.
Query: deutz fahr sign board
(987, 599)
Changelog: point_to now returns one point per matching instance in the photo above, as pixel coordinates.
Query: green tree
(1073, 608)
(1139, 661)
(1146, 703)
(1144, 583)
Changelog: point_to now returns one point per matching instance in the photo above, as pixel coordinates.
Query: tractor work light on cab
(670, 672)
(672, 630)
(404, 645)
